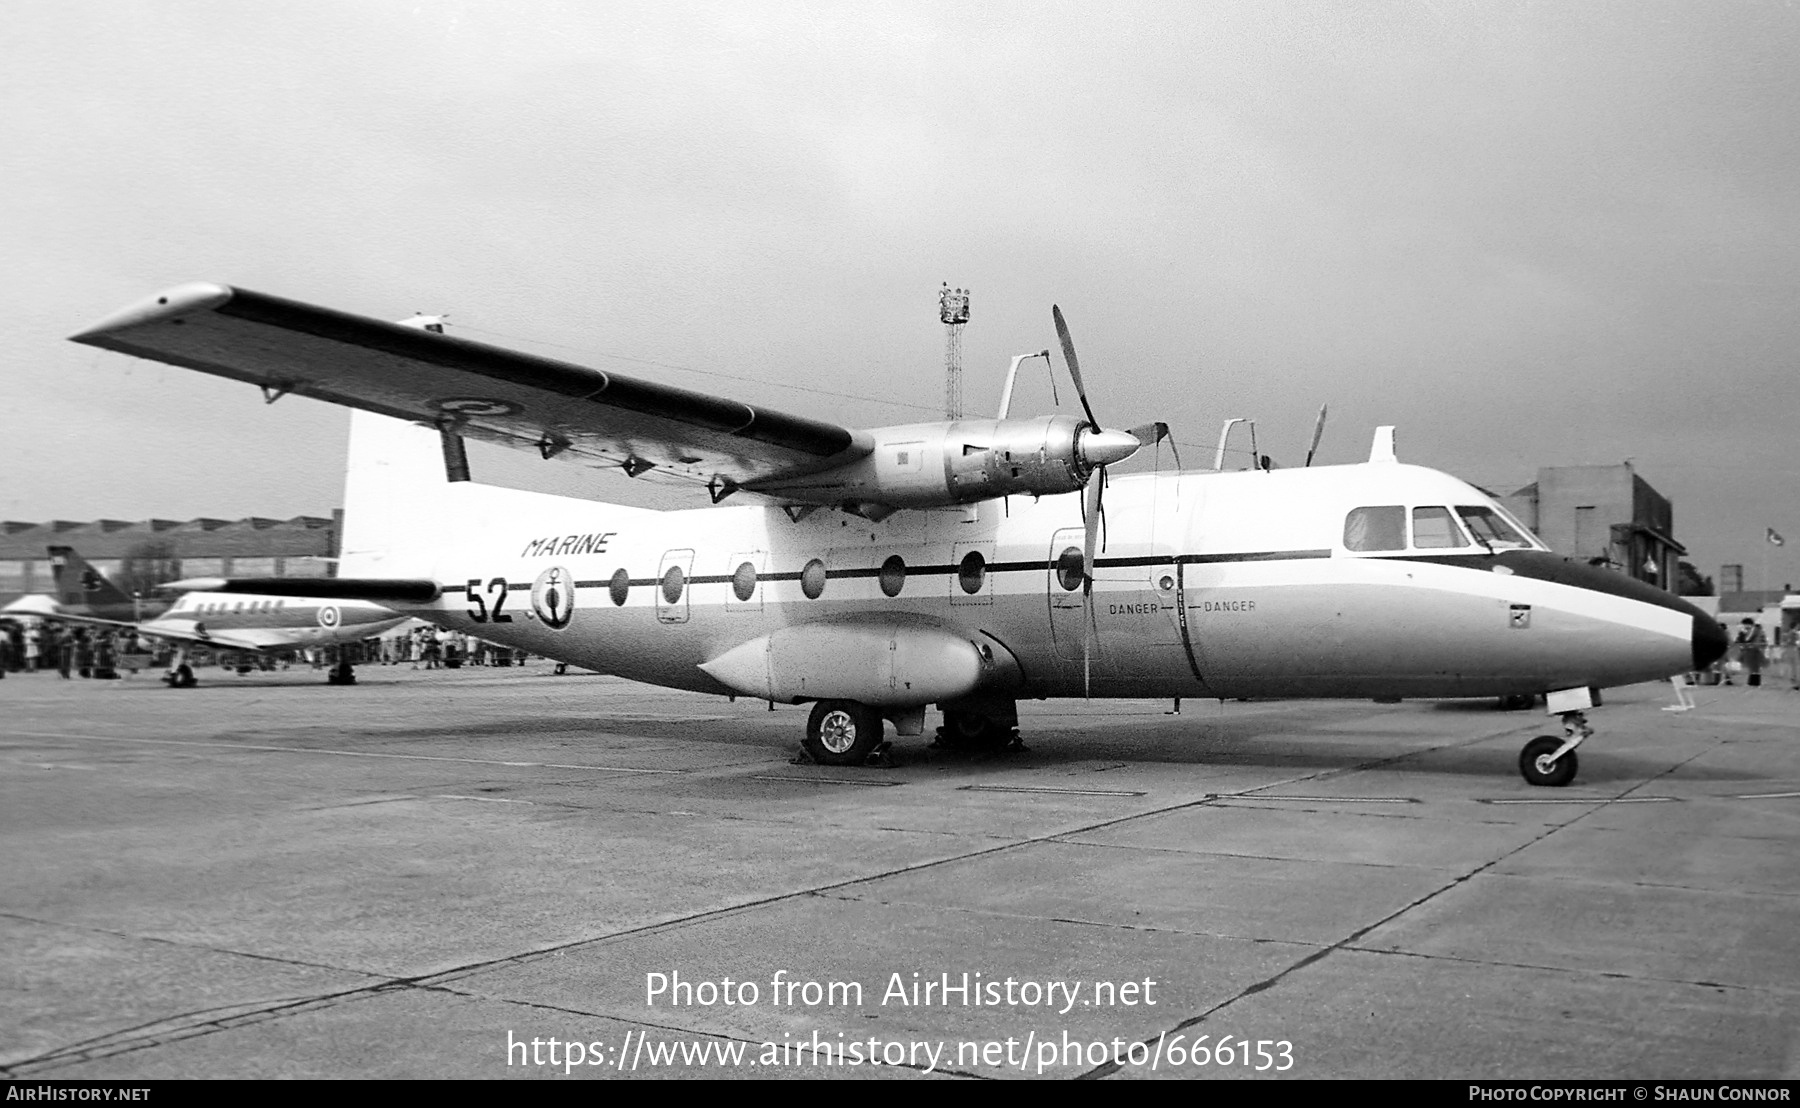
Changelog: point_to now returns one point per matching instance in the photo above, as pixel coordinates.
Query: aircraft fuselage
(1207, 585)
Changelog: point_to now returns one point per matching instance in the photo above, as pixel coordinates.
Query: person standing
(1750, 650)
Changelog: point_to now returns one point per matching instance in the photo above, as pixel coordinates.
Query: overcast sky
(1529, 234)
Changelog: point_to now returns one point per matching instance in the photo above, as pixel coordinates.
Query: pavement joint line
(276, 1011)
(1056, 790)
(1598, 801)
(1325, 799)
(1075, 921)
(1196, 853)
(1109, 1068)
(441, 977)
(482, 799)
(353, 753)
(187, 945)
(1566, 970)
(820, 780)
(711, 914)
(673, 1029)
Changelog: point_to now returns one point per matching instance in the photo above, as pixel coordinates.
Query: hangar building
(138, 553)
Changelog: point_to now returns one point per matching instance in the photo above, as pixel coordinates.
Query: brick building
(1604, 515)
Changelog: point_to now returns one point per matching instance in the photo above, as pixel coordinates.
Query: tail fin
(81, 587)
(393, 498)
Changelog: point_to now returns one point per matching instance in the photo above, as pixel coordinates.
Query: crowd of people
(69, 651)
(434, 647)
(1755, 652)
(94, 652)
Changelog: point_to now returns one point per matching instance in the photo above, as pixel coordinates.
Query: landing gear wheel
(1534, 762)
(341, 674)
(181, 677)
(842, 733)
(973, 731)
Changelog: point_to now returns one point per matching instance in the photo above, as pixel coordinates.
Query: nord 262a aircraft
(874, 572)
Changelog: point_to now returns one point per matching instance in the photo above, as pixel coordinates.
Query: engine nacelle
(927, 465)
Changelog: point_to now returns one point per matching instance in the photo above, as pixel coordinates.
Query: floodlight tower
(953, 309)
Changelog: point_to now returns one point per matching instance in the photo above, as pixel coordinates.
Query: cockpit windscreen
(1490, 529)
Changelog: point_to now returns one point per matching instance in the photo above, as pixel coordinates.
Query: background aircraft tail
(79, 586)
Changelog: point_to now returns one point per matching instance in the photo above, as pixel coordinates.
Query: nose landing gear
(1550, 761)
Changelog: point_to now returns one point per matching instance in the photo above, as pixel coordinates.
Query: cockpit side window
(1378, 528)
(1490, 528)
(1435, 529)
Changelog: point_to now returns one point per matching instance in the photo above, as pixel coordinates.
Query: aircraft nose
(1709, 640)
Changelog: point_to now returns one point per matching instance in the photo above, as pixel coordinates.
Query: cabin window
(812, 579)
(1435, 529)
(743, 582)
(1068, 569)
(1490, 528)
(893, 575)
(972, 572)
(619, 587)
(672, 583)
(1381, 528)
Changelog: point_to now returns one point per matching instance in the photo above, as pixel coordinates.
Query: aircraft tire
(842, 732)
(973, 731)
(1556, 775)
(182, 678)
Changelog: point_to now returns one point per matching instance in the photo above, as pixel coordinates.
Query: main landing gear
(1550, 761)
(341, 674)
(849, 733)
(842, 733)
(980, 731)
(180, 675)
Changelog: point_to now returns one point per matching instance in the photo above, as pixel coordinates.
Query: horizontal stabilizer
(405, 590)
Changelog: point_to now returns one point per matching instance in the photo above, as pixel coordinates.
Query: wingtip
(196, 296)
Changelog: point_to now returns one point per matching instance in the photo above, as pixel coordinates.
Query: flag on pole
(1775, 539)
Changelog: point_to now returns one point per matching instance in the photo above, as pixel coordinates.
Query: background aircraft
(965, 563)
(82, 590)
(221, 622)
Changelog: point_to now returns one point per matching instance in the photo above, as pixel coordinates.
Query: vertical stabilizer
(82, 588)
(394, 498)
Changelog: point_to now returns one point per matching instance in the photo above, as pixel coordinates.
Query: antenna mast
(953, 309)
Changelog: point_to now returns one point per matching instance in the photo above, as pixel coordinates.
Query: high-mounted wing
(471, 388)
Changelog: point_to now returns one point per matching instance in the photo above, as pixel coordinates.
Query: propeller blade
(1068, 347)
(1318, 432)
(1150, 433)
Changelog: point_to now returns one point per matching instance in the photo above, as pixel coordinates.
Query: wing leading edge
(471, 388)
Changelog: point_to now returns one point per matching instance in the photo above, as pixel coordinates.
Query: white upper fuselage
(246, 622)
(1206, 584)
